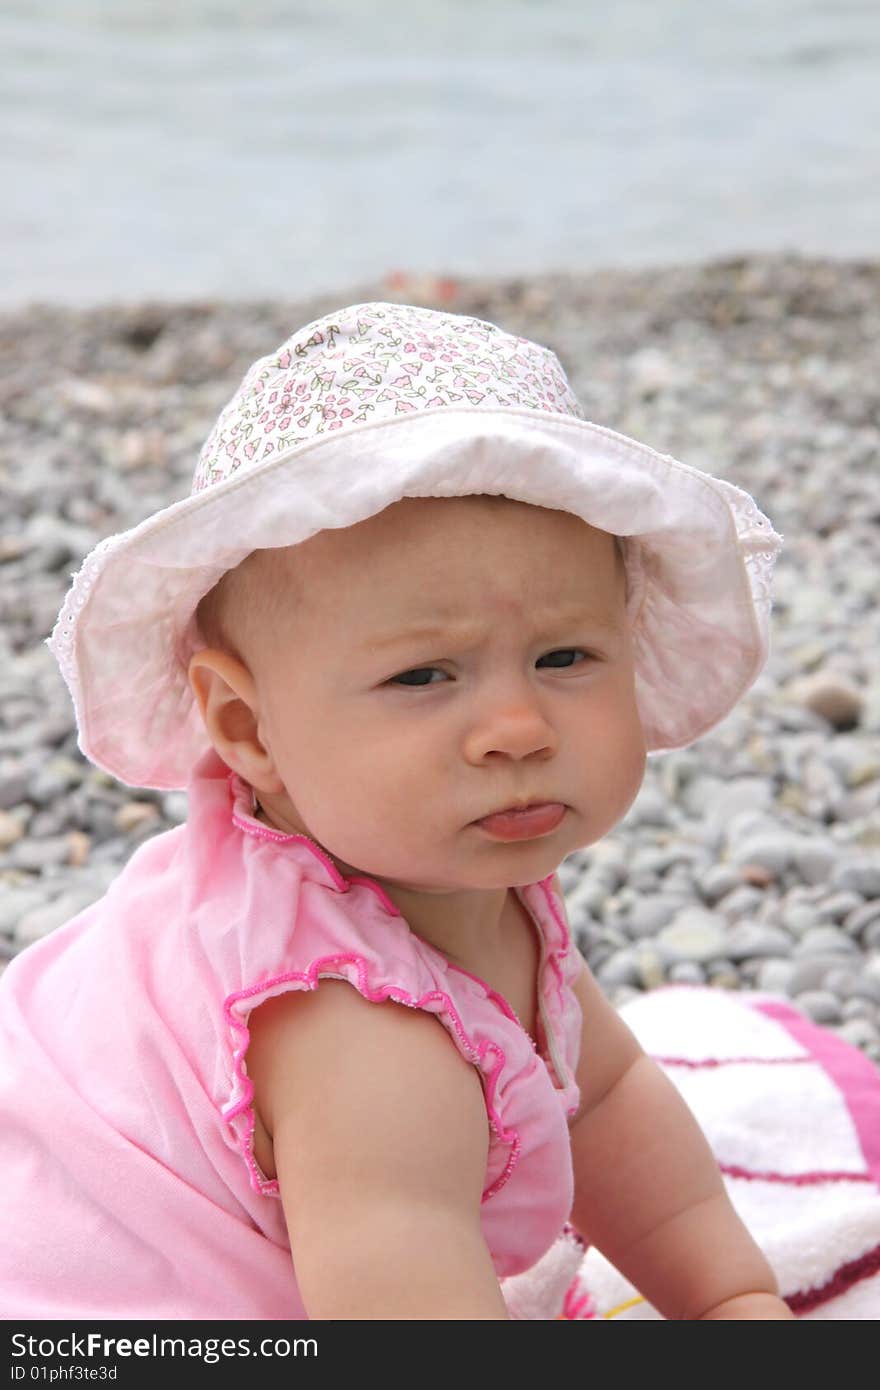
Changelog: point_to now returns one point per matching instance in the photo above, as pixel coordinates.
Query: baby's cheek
(626, 762)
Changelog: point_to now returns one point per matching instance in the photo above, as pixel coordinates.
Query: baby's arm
(648, 1191)
(380, 1140)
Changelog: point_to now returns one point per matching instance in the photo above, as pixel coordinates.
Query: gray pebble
(859, 1008)
(40, 921)
(650, 807)
(722, 974)
(740, 903)
(775, 976)
(14, 903)
(822, 940)
(859, 1032)
(799, 918)
(861, 875)
(621, 968)
(13, 787)
(695, 934)
(175, 806)
(809, 972)
(686, 972)
(35, 855)
(750, 939)
(839, 905)
(820, 1005)
(649, 915)
(856, 921)
(717, 882)
(651, 963)
(771, 851)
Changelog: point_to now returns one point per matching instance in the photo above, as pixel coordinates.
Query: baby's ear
(226, 695)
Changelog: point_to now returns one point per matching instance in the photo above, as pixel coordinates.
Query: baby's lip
(521, 806)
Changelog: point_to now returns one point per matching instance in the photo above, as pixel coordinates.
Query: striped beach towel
(793, 1117)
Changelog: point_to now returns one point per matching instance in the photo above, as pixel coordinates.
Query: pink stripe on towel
(854, 1075)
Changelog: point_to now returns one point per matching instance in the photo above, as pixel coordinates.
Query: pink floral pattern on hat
(372, 362)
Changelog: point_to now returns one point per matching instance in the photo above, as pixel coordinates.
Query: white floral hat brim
(698, 551)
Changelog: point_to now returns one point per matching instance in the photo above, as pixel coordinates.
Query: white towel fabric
(793, 1117)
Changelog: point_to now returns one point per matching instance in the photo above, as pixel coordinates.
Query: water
(195, 148)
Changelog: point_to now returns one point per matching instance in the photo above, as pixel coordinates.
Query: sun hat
(354, 411)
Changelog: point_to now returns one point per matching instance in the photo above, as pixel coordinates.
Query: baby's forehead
(444, 551)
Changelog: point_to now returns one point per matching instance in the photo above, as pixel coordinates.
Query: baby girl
(407, 645)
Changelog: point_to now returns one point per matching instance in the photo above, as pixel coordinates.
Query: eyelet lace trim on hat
(61, 641)
(759, 546)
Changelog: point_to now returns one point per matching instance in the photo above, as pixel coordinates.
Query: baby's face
(412, 694)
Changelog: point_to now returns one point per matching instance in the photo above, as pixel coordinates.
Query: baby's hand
(754, 1307)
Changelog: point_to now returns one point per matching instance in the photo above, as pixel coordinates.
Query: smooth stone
(717, 882)
(747, 940)
(588, 899)
(135, 816)
(859, 1032)
(13, 787)
(809, 973)
(839, 905)
(829, 695)
(11, 829)
(39, 922)
(813, 858)
(860, 875)
(649, 915)
(798, 918)
(871, 967)
(611, 936)
(47, 823)
(839, 980)
(722, 974)
(695, 934)
(650, 807)
(741, 794)
(623, 994)
(14, 904)
(775, 975)
(852, 984)
(740, 902)
(175, 807)
(861, 917)
(859, 1008)
(701, 794)
(686, 972)
(608, 862)
(48, 786)
(644, 881)
(37, 855)
(619, 969)
(820, 1005)
(819, 940)
(651, 965)
(771, 852)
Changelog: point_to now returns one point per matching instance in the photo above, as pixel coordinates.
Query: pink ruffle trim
(239, 1111)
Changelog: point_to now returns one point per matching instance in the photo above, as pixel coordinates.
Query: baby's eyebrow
(440, 634)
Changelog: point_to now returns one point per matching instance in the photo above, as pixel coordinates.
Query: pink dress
(130, 1187)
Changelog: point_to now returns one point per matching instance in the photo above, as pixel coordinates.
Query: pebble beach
(751, 859)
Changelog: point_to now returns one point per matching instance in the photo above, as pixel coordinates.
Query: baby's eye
(426, 670)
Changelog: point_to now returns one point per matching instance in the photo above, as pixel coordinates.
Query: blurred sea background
(231, 149)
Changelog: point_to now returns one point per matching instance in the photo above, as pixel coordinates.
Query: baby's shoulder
(328, 1062)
